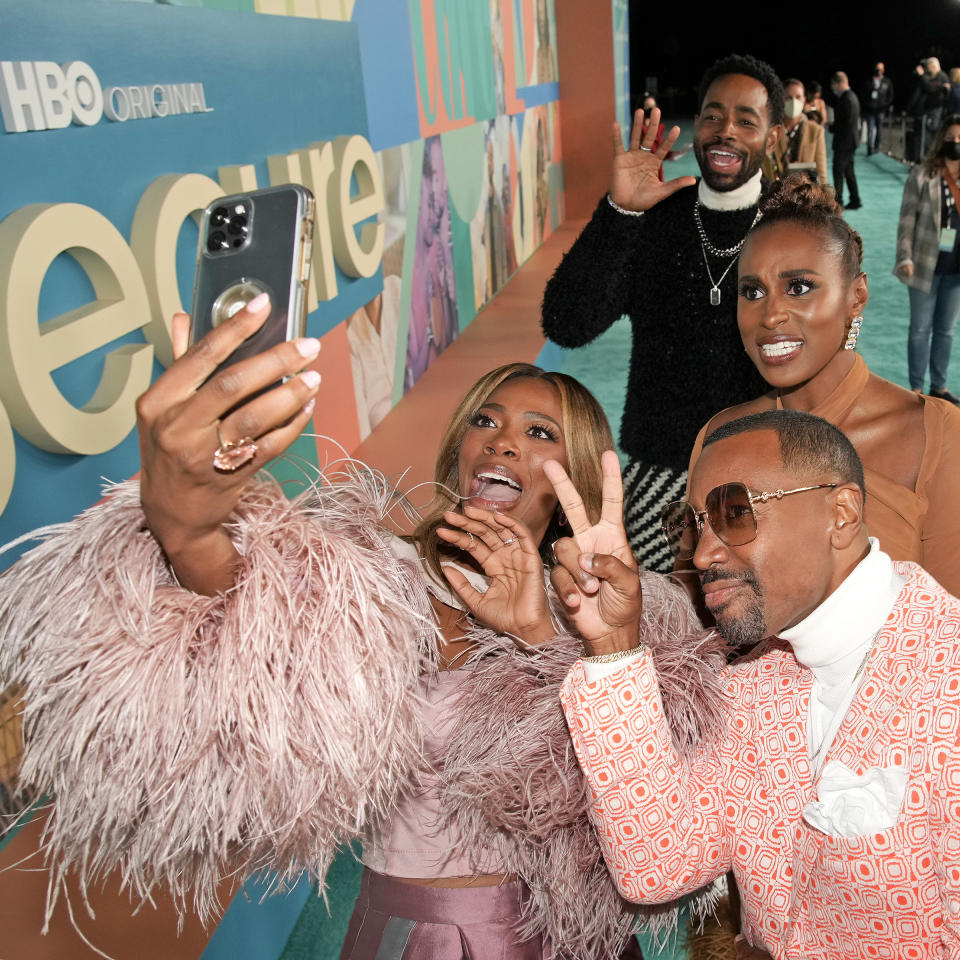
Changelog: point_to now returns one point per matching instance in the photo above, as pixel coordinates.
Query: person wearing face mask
(802, 293)
(816, 107)
(878, 96)
(802, 141)
(928, 259)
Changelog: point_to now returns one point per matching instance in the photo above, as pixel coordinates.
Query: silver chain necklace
(706, 245)
(715, 287)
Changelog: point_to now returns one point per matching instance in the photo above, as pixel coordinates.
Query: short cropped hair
(811, 446)
(750, 67)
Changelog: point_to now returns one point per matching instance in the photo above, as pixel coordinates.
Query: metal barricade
(898, 135)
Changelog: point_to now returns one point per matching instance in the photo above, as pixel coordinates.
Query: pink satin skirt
(393, 920)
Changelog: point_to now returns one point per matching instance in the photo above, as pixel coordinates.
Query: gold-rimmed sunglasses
(729, 508)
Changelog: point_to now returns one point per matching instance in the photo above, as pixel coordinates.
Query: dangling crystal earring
(855, 324)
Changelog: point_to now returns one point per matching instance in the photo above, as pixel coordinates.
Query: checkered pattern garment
(666, 830)
(918, 231)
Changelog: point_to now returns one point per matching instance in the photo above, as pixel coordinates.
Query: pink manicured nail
(309, 405)
(307, 346)
(311, 378)
(258, 302)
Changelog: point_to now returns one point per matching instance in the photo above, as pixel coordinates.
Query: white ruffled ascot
(834, 643)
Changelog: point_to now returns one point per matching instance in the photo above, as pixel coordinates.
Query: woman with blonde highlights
(223, 680)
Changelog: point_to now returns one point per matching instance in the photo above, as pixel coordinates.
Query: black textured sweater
(688, 361)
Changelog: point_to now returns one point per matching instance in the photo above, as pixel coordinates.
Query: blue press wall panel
(275, 84)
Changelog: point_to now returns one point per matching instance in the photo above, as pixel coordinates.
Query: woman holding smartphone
(244, 682)
(802, 295)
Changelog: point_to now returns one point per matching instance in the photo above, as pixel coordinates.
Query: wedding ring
(509, 540)
(646, 149)
(472, 539)
(231, 455)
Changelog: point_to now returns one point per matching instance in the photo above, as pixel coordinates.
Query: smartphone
(253, 243)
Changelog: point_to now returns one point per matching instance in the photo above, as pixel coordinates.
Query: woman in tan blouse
(801, 295)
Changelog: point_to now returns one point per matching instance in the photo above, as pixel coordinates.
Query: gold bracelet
(614, 657)
(623, 210)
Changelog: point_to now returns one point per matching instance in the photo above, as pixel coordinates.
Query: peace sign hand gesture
(596, 575)
(636, 183)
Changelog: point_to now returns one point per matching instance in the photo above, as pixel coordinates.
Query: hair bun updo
(798, 195)
(797, 199)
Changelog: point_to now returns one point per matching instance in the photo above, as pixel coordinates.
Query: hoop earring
(853, 333)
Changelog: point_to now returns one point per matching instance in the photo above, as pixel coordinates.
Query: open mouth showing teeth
(723, 158)
(782, 348)
(496, 488)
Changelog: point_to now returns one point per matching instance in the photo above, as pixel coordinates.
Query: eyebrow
(532, 414)
(785, 274)
(716, 105)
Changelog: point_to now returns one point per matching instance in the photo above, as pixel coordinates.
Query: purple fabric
(393, 920)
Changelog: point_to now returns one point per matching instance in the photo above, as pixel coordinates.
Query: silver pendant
(714, 296)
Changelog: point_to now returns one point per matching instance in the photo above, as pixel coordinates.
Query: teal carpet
(602, 366)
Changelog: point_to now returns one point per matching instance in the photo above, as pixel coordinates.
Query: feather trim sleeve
(185, 738)
(512, 776)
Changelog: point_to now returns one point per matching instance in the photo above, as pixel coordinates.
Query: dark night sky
(807, 40)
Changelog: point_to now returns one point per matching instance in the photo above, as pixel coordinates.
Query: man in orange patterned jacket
(834, 791)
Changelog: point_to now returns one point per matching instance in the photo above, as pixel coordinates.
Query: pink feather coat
(184, 739)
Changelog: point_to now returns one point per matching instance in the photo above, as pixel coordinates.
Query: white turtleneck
(834, 640)
(746, 195)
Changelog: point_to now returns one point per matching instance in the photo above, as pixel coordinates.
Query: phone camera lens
(217, 241)
(219, 217)
(238, 225)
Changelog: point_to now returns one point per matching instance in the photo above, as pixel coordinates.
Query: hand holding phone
(250, 244)
(188, 414)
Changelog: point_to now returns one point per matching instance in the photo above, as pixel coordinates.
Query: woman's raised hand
(635, 183)
(185, 416)
(515, 601)
(596, 575)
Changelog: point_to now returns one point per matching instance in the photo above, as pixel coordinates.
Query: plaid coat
(918, 233)
(667, 828)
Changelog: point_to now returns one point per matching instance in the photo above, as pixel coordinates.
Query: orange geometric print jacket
(666, 830)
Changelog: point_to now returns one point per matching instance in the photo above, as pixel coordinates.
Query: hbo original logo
(42, 95)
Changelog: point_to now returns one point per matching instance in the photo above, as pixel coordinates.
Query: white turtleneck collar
(837, 632)
(746, 195)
